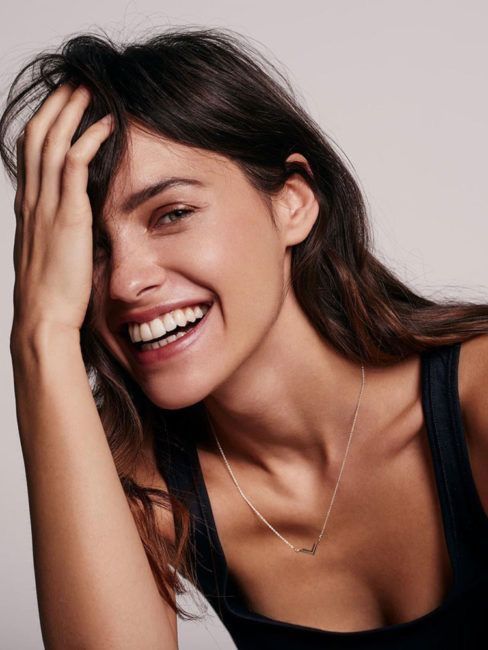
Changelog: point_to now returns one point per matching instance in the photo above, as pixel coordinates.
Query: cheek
(248, 275)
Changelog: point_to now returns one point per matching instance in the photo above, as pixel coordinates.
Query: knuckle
(49, 143)
(74, 158)
(25, 207)
(31, 128)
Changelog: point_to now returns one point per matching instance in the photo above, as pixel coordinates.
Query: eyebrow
(141, 196)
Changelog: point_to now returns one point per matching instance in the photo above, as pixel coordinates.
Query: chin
(174, 400)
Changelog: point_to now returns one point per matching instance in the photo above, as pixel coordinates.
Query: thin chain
(313, 549)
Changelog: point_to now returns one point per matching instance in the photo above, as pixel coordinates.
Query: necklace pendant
(308, 551)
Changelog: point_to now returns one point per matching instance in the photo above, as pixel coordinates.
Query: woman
(298, 446)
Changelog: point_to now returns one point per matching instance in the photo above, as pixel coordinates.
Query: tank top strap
(182, 476)
(465, 522)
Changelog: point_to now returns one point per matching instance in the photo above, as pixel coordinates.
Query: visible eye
(178, 214)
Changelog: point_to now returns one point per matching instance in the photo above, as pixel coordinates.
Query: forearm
(94, 584)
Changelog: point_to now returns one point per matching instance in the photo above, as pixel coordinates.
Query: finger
(74, 199)
(34, 136)
(56, 145)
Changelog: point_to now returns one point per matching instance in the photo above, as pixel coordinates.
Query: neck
(289, 399)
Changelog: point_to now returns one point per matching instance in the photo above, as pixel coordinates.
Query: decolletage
(459, 622)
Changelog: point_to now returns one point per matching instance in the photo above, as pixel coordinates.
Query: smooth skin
(94, 583)
(281, 398)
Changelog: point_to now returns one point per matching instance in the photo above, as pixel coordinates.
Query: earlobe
(296, 207)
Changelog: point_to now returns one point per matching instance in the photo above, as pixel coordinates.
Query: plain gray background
(399, 85)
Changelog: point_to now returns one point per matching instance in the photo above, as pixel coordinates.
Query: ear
(295, 207)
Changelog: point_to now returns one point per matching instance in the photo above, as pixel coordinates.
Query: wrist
(32, 341)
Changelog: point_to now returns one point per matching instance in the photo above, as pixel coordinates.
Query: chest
(383, 559)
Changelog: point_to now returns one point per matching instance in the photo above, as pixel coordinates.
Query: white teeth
(146, 334)
(162, 342)
(189, 314)
(179, 317)
(158, 327)
(169, 322)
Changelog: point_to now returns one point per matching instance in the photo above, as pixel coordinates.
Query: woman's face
(225, 251)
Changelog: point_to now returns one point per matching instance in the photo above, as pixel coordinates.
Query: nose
(134, 273)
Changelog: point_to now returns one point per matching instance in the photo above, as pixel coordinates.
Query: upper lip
(150, 314)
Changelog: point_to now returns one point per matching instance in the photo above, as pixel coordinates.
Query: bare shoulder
(473, 395)
(147, 475)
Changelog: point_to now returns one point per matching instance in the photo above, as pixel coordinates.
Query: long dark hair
(211, 88)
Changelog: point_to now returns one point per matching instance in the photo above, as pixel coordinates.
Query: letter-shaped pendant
(309, 551)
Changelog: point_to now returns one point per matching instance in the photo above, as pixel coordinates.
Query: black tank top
(461, 621)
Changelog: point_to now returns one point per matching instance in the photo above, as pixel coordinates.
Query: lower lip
(148, 357)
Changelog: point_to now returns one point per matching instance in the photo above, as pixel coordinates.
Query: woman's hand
(53, 239)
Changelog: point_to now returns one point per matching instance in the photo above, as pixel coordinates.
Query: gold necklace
(313, 549)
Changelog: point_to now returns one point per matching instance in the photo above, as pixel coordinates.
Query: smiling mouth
(169, 337)
(178, 332)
